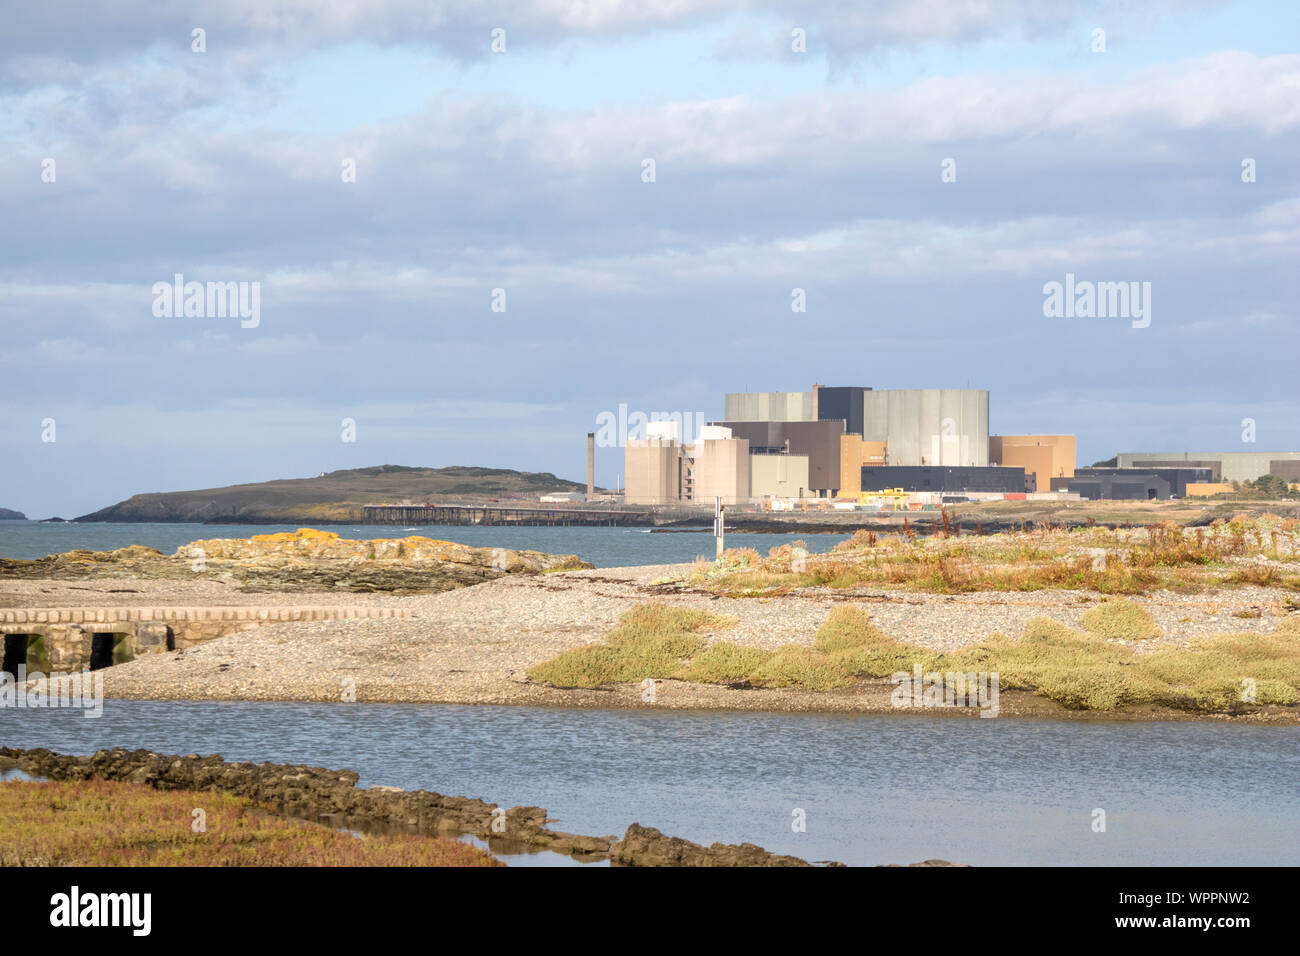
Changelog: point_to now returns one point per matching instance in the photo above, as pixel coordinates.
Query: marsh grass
(1086, 669)
(650, 641)
(1122, 620)
(108, 823)
(723, 663)
(795, 665)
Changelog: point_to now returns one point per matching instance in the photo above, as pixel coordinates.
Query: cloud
(376, 295)
(37, 35)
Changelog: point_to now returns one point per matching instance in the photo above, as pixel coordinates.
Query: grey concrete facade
(1233, 465)
(769, 407)
(929, 426)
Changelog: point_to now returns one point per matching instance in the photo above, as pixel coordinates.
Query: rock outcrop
(307, 558)
(646, 846)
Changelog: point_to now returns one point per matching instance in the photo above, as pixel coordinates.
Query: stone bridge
(66, 639)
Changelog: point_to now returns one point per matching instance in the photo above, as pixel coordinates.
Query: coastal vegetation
(97, 809)
(1095, 668)
(650, 640)
(954, 559)
(108, 823)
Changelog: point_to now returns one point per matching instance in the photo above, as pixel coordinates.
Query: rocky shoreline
(315, 793)
(476, 645)
(305, 559)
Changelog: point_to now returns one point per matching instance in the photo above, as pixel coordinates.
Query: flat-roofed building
(719, 468)
(944, 478)
(1225, 466)
(1204, 489)
(654, 469)
(778, 476)
(661, 470)
(1120, 487)
(1043, 456)
(819, 441)
(1178, 478)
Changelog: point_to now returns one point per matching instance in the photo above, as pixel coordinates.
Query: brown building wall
(820, 441)
(1201, 489)
(875, 454)
(1044, 456)
(850, 466)
(721, 470)
(653, 468)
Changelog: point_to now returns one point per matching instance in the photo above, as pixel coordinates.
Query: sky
(503, 268)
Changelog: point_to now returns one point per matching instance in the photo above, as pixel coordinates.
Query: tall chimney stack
(591, 465)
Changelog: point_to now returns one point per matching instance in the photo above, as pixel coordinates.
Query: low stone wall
(64, 637)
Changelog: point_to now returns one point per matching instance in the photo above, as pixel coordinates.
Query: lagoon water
(603, 547)
(874, 789)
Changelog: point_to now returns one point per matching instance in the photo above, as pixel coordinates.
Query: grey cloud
(82, 33)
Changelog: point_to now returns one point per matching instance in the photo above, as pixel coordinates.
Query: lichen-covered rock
(310, 544)
(307, 558)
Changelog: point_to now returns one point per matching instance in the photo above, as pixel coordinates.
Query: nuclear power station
(842, 442)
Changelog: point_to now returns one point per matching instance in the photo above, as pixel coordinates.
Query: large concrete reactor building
(929, 426)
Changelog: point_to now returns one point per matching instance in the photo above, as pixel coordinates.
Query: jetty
(492, 514)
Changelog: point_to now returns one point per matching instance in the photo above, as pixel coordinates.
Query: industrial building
(849, 442)
(778, 476)
(769, 407)
(844, 442)
(945, 479)
(1178, 479)
(1044, 458)
(911, 426)
(1224, 466)
(662, 470)
(817, 441)
(1128, 486)
(929, 426)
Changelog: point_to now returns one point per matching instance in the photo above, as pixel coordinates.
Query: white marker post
(718, 521)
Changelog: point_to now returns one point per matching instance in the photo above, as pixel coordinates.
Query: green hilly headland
(336, 496)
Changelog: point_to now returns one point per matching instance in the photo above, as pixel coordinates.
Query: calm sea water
(874, 789)
(603, 547)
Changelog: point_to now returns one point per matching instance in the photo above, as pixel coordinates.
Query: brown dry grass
(106, 823)
(1263, 551)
